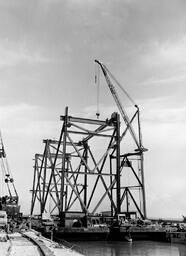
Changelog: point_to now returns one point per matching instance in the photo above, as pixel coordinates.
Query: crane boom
(119, 105)
(11, 196)
(139, 173)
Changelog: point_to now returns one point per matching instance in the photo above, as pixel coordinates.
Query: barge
(102, 232)
(105, 234)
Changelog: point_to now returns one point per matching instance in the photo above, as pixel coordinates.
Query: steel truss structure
(84, 171)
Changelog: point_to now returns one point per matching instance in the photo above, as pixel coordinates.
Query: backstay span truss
(85, 171)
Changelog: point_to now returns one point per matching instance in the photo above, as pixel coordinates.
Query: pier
(32, 243)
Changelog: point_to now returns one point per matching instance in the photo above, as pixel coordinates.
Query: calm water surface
(136, 248)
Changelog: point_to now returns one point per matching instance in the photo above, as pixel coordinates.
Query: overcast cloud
(47, 52)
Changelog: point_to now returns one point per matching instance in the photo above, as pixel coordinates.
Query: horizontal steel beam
(82, 173)
(57, 141)
(86, 121)
(91, 133)
(51, 155)
(130, 187)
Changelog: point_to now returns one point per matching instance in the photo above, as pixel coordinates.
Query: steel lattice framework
(85, 170)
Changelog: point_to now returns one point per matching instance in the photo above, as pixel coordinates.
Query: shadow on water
(136, 248)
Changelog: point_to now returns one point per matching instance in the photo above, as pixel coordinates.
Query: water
(136, 248)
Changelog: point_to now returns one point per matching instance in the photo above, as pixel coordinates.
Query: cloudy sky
(47, 52)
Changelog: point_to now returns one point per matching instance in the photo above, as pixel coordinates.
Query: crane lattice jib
(119, 105)
(7, 173)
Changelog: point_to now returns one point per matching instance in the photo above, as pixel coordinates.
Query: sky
(47, 52)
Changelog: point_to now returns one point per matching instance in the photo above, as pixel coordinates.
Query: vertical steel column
(111, 191)
(118, 189)
(33, 188)
(85, 176)
(66, 189)
(142, 168)
(85, 183)
(127, 202)
(44, 178)
(143, 187)
(61, 213)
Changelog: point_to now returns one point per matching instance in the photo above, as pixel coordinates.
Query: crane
(122, 111)
(8, 201)
(137, 139)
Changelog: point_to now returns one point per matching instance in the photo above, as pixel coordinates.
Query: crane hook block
(97, 114)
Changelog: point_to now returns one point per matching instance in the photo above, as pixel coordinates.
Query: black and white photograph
(92, 127)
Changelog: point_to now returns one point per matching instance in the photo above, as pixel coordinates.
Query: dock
(31, 243)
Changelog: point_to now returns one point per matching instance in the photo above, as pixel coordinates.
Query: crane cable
(107, 73)
(120, 86)
(97, 83)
